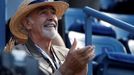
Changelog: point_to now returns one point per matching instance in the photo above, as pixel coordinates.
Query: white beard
(50, 32)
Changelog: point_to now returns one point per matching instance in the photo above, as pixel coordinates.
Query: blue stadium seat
(97, 29)
(107, 44)
(110, 63)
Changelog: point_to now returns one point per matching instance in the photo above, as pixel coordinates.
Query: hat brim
(15, 23)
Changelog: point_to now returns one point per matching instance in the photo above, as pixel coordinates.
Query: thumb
(73, 45)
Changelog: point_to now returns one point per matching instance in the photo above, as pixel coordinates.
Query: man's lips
(50, 25)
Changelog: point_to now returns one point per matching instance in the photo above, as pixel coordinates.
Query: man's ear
(26, 23)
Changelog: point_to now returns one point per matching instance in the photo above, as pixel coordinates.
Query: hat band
(37, 1)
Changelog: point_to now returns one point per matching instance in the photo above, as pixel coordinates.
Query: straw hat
(25, 8)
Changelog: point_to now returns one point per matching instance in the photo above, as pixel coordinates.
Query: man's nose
(50, 17)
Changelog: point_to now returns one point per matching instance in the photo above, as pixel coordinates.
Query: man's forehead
(36, 10)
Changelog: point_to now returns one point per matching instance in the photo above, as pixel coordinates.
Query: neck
(45, 44)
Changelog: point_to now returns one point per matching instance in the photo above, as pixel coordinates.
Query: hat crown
(28, 2)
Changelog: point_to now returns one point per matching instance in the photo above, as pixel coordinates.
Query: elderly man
(35, 26)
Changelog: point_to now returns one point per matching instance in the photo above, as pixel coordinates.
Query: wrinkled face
(42, 22)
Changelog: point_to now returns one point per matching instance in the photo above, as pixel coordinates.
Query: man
(35, 26)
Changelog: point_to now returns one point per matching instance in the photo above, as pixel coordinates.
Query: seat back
(102, 43)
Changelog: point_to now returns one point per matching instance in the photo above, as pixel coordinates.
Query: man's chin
(50, 34)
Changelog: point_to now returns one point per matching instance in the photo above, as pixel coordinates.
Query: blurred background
(104, 35)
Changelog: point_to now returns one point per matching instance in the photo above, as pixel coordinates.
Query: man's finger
(86, 48)
(73, 45)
